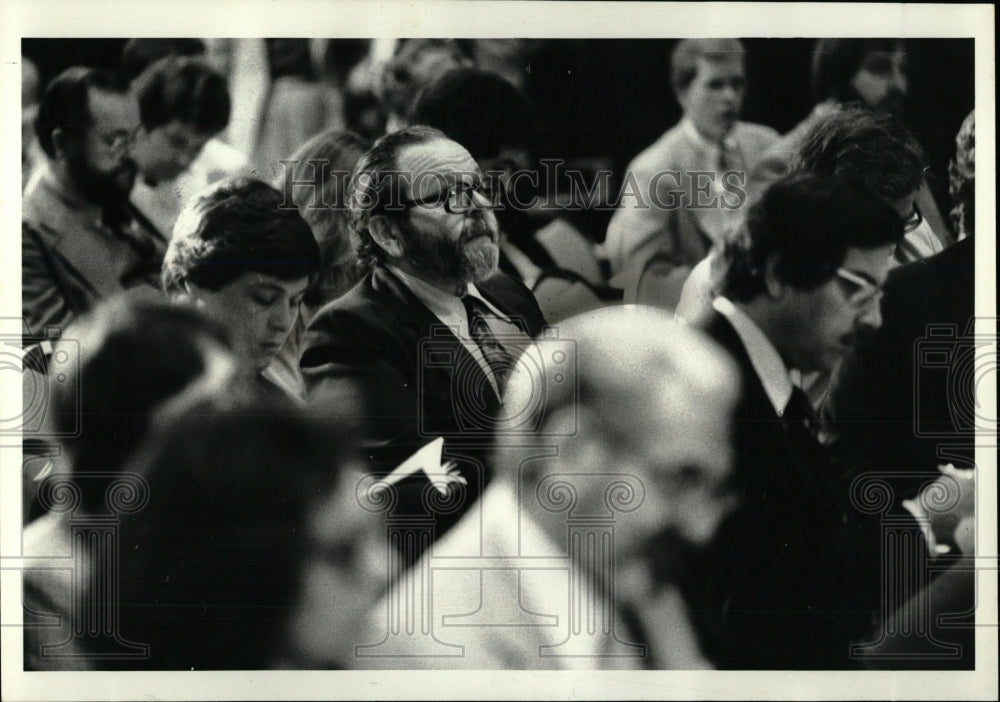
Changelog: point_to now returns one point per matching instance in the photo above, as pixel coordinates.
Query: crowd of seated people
(337, 390)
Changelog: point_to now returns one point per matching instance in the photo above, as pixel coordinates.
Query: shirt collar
(439, 302)
(766, 361)
(694, 135)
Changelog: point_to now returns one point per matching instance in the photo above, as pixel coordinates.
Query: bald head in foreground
(614, 439)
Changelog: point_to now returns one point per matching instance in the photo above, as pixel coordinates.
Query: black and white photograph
(498, 350)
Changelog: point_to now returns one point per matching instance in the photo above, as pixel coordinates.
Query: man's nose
(282, 317)
(872, 316)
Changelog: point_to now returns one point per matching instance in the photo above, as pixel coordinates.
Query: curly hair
(238, 226)
(808, 222)
(871, 147)
(376, 183)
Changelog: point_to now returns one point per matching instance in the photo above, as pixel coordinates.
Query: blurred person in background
(253, 551)
(184, 104)
(31, 152)
(247, 261)
(316, 181)
(128, 361)
(669, 217)
(295, 108)
(80, 242)
(415, 64)
(870, 72)
(847, 141)
(670, 456)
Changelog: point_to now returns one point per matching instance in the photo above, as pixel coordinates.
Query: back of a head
(234, 227)
(211, 566)
(616, 370)
(186, 90)
(65, 103)
(873, 148)
(685, 55)
(835, 62)
(807, 223)
(318, 178)
(480, 110)
(140, 54)
(416, 64)
(131, 357)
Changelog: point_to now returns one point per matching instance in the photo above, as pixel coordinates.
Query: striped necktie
(499, 360)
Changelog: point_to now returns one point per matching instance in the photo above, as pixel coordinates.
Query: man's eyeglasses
(914, 220)
(460, 198)
(865, 291)
(120, 139)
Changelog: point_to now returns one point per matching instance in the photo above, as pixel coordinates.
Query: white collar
(766, 361)
(439, 302)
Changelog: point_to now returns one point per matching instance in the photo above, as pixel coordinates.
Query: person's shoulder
(760, 135)
(658, 155)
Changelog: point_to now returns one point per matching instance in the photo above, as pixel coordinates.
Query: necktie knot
(799, 412)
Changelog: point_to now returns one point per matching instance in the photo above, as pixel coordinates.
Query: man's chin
(483, 259)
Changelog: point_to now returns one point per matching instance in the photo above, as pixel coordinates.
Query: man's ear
(387, 235)
(62, 143)
(774, 286)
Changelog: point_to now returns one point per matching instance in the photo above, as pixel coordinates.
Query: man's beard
(471, 259)
(109, 189)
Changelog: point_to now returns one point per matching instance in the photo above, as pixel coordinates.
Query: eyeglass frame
(914, 220)
(444, 197)
(869, 291)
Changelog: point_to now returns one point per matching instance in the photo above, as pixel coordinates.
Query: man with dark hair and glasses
(80, 242)
(786, 585)
(429, 337)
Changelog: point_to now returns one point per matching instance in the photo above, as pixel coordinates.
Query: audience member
(496, 123)
(126, 361)
(677, 199)
(430, 334)
(80, 243)
(784, 586)
(415, 64)
(671, 454)
(316, 180)
(31, 152)
(183, 103)
(850, 141)
(891, 404)
(870, 72)
(248, 261)
(295, 109)
(252, 551)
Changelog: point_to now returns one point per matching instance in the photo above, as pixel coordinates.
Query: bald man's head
(627, 390)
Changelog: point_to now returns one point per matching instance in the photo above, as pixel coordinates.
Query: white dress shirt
(450, 310)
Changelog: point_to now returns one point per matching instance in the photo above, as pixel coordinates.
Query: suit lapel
(757, 411)
(411, 313)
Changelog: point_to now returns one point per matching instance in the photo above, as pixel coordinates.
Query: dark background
(610, 98)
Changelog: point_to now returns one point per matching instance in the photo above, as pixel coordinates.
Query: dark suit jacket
(899, 401)
(415, 379)
(781, 585)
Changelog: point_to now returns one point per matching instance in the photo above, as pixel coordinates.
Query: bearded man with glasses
(424, 343)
